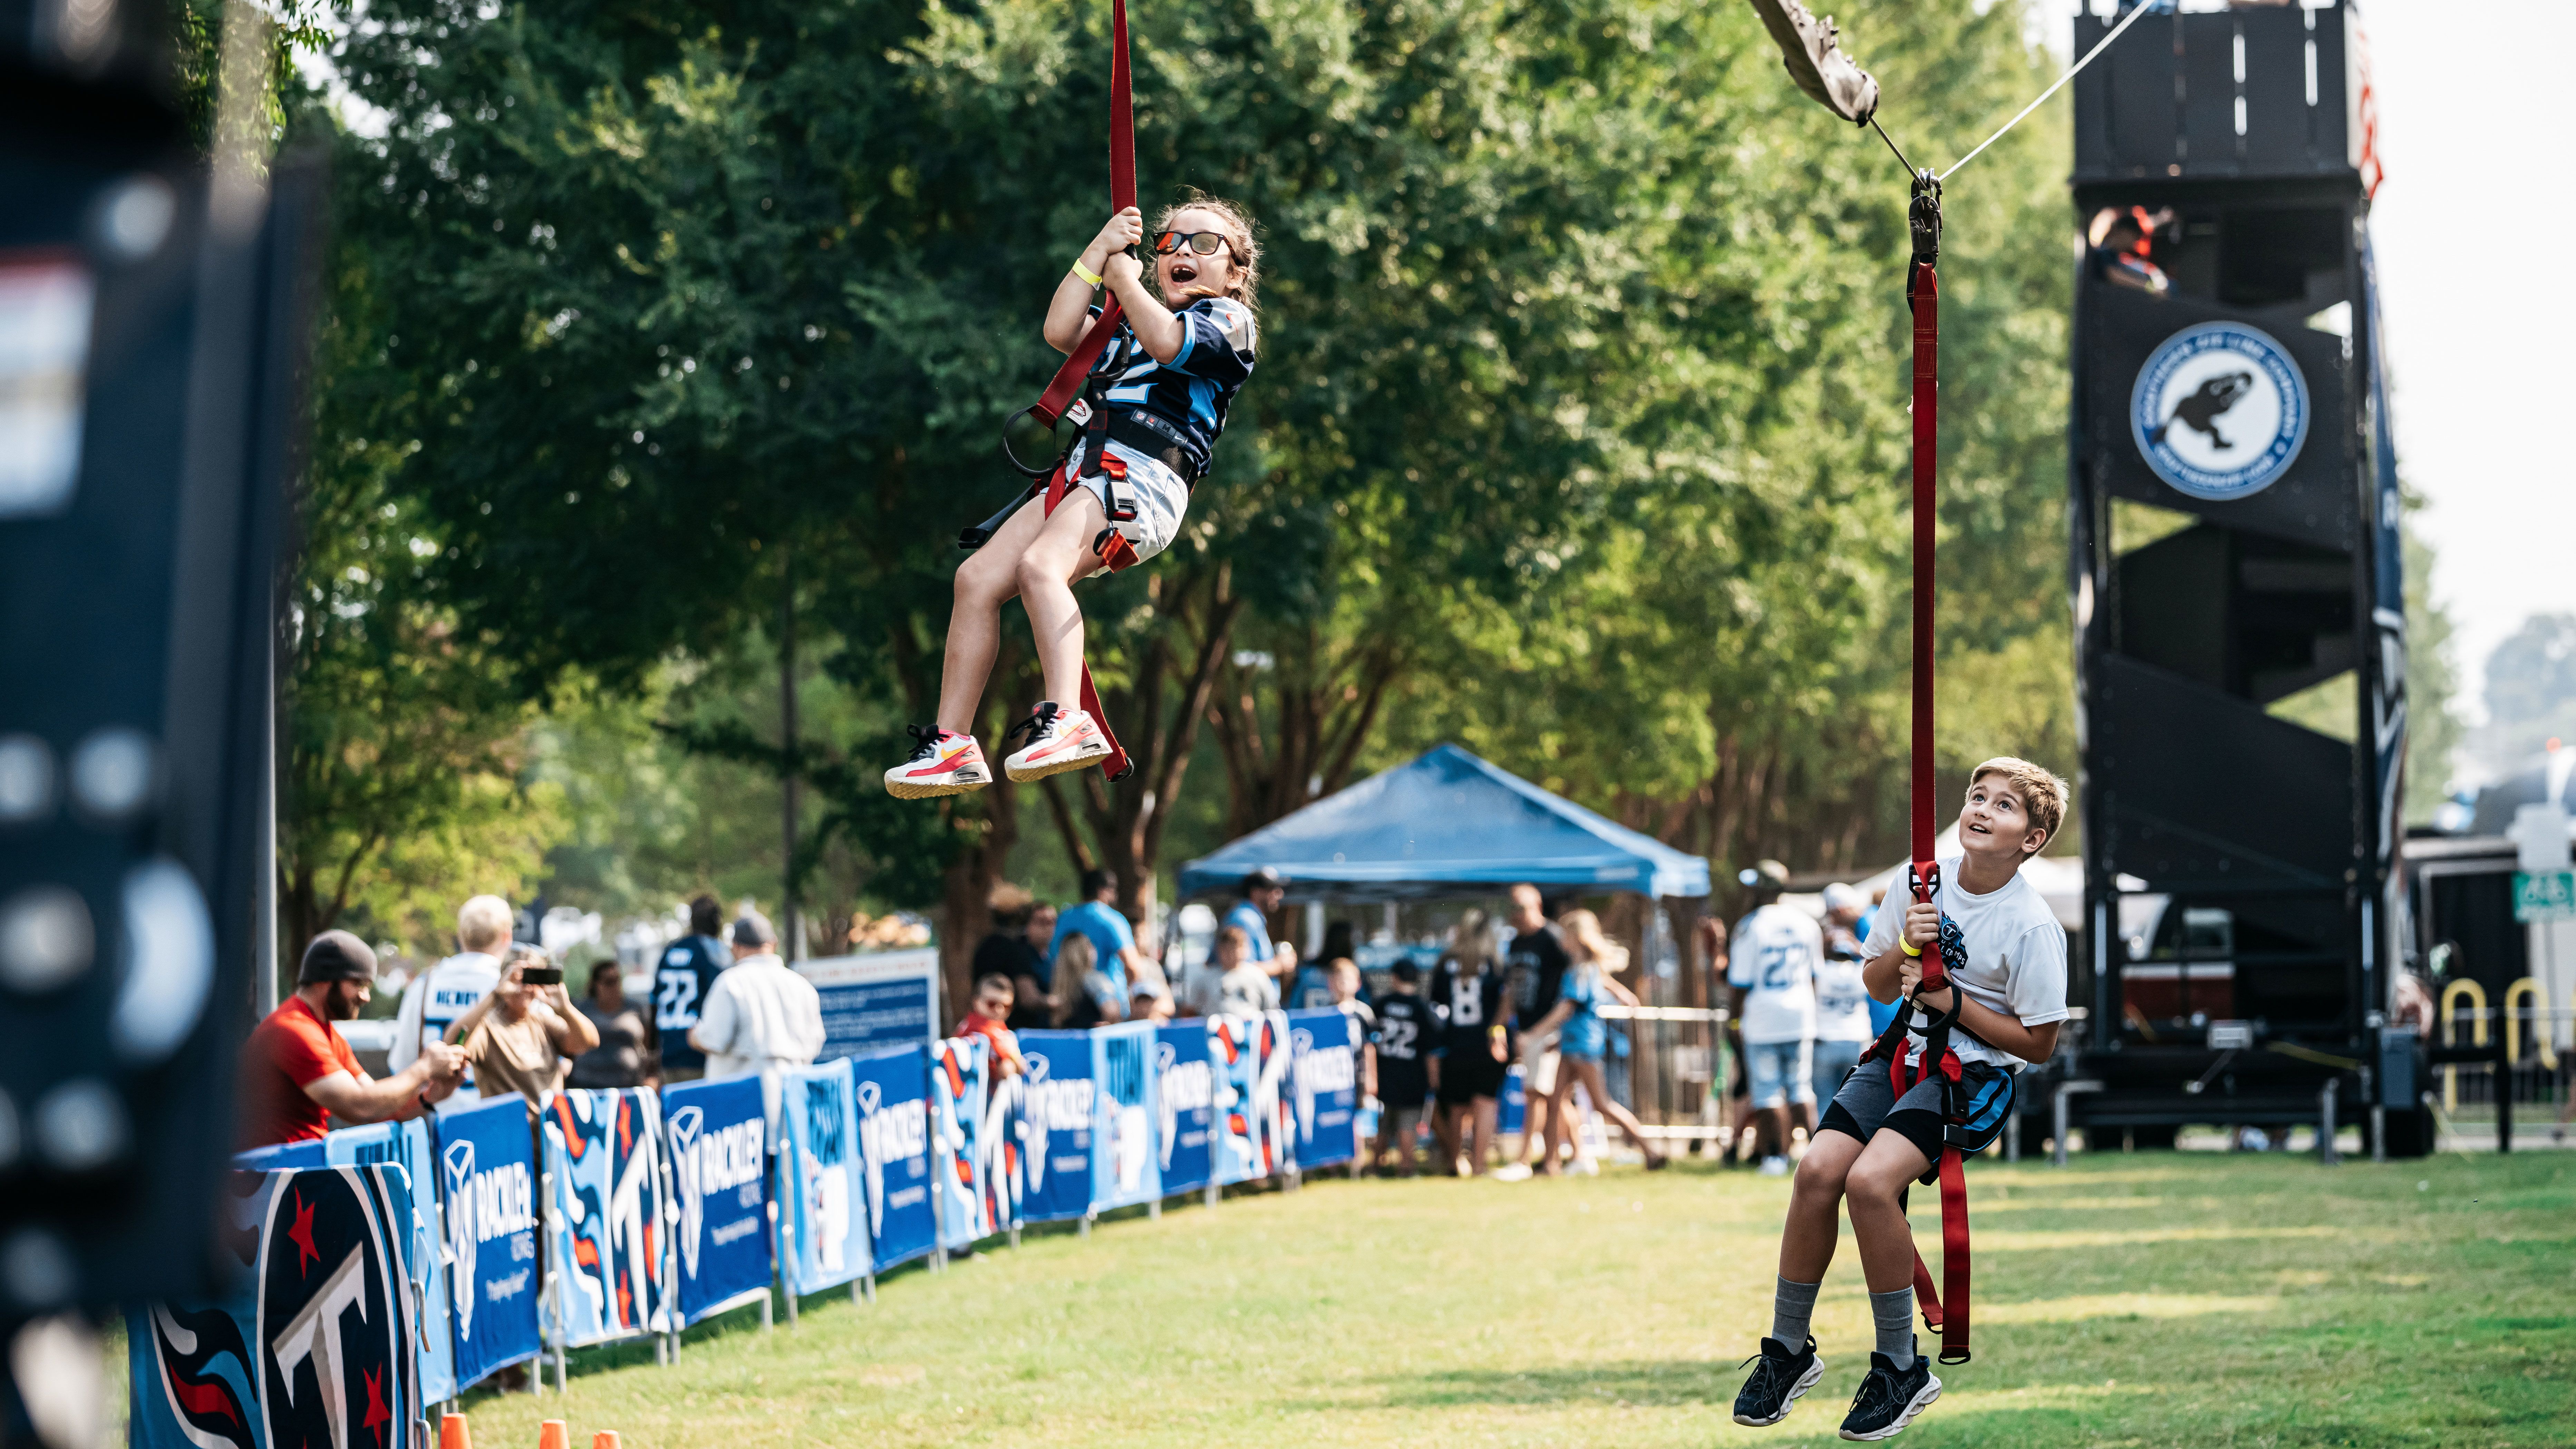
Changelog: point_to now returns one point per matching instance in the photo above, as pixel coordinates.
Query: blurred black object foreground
(152, 340)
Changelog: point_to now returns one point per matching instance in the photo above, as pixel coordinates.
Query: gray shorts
(1868, 1105)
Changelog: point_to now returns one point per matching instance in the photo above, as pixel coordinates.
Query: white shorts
(1161, 498)
(1538, 1062)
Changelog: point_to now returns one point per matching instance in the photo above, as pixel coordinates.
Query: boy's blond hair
(2042, 793)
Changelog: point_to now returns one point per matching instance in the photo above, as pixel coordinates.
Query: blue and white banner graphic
(408, 1145)
(892, 1089)
(1185, 1107)
(334, 1334)
(1324, 1085)
(1125, 1167)
(821, 1194)
(487, 1173)
(1238, 1068)
(606, 1239)
(719, 1166)
(191, 1379)
(1056, 1117)
(957, 1102)
(875, 1001)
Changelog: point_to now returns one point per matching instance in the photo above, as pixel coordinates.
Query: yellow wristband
(1908, 947)
(1089, 278)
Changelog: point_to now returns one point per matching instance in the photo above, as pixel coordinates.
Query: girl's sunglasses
(1204, 243)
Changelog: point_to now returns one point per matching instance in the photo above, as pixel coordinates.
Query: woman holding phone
(523, 1035)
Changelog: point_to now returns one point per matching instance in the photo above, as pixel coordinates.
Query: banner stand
(787, 1256)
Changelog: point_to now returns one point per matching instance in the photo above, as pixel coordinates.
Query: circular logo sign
(2220, 411)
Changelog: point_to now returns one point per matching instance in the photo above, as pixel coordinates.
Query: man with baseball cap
(760, 1018)
(297, 1072)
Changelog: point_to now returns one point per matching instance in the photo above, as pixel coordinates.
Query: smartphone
(541, 976)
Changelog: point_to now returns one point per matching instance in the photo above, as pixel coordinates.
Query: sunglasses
(1204, 243)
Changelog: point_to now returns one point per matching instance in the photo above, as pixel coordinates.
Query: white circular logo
(2220, 411)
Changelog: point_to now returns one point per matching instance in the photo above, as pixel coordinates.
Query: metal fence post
(2326, 1154)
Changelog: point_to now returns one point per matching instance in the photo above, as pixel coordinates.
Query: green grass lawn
(2149, 1299)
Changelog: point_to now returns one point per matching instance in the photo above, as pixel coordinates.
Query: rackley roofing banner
(1185, 1106)
(892, 1089)
(824, 1202)
(487, 1174)
(1324, 1078)
(718, 1179)
(1057, 1119)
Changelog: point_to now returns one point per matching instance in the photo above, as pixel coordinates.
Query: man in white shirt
(760, 1017)
(448, 990)
(1772, 966)
(1843, 1021)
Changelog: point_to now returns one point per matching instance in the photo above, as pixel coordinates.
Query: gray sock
(1895, 1315)
(1792, 1305)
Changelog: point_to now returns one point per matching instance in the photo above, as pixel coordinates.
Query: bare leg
(1560, 1112)
(988, 579)
(1487, 1113)
(1777, 1119)
(1885, 1239)
(1807, 1240)
(1597, 1087)
(1444, 1128)
(1535, 1139)
(1060, 554)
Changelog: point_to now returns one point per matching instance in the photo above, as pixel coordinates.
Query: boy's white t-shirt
(1774, 956)
(2016, 956)
(1842, 1002)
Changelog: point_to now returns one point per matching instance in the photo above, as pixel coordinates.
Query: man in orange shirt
(297, 1072)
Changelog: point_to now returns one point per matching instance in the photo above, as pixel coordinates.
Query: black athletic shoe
(1779, 1379)
(1888, 1400)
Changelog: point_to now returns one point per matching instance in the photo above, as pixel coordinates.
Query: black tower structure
(2234, 560)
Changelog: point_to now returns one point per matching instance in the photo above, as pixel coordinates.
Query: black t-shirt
(681, 980)
(1404, 1038)
(1465, 1004)
(1538, 963)
(1008, 954)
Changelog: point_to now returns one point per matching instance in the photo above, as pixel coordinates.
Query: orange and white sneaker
(1059, 740)
(946, 763)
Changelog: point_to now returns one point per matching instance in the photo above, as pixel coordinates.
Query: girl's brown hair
(1236, 223)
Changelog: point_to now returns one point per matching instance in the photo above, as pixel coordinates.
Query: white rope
(2116, 32)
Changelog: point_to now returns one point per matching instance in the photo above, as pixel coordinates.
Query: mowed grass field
(2128, 1300)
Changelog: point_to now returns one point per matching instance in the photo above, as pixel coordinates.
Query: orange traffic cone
(553, 1435)
(451, 1432)
(604, 1439)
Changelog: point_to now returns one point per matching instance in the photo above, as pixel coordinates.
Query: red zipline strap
(1122, 195)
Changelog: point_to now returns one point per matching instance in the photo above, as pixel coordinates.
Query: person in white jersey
(448, 990)
(760, 1018)
(1772, 966)
(1843, 1024)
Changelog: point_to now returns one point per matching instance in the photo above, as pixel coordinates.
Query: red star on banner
(300, 1233)
(377, 1415)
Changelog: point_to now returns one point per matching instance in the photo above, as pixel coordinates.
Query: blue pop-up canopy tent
(1447, 821)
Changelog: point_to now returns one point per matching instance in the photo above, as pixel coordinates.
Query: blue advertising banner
(957, 1101)
(825, 1232)
(1512, 1108)
(1056, 1117)
(892, 1089)
(876, 1001)
(1185, 1102)
(334, 1327)
(283, 1157)
(719, 1164)
(1125, 1169)
(1324, 1078)
(407, 1144)
(192, 1382)
(999, 1141)
(487, 1175)
(605, 1231)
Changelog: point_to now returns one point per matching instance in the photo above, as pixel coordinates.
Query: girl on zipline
(1182, 351)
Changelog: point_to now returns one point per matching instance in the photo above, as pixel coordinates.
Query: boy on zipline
(2005, 956)
(1183, 350)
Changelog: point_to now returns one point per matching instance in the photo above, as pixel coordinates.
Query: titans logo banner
(334, 1331)
(719, 1166)
(193, 1382)
(1056, 1120)
(408, 1144)
(820, 1177)
(1324, 1086)
(604, 1166)
(487, 1178)
(1125, 1167)
(892, 1091)
(1252, 1057)
(1185, 1107)
(999, 1142)
(957, 1102)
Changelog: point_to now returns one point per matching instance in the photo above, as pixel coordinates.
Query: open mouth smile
(1183, 273)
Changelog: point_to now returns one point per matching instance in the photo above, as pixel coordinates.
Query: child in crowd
(1469, 997)
(1085, 995)
(1584, 1037)
(1165, 382)
(1400, 1048)
(990, 1019)
(1243, 988)
(2005, 957)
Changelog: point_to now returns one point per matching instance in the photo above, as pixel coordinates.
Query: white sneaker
(1512, 1172)
(1059, 740)
(1775, 1167)
(944, 764)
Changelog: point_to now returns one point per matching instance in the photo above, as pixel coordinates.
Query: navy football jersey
(1404, 1040)
(1193, 390)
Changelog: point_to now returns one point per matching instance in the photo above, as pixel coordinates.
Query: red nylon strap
(1954, 1257)
(1926, 296)
(1122, 194)
(1117, 766)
